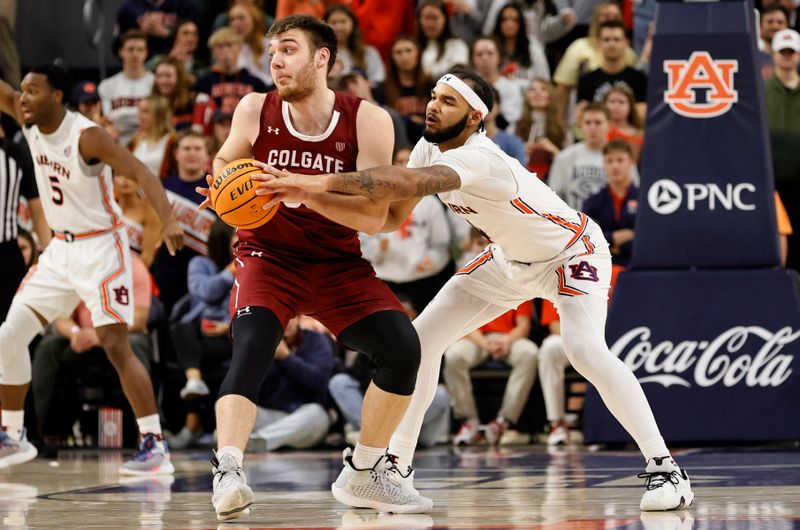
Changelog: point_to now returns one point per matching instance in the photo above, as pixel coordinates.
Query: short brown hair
(595, 106)
(319, 34)
(617, 145)
(191, 133)
(132, 34)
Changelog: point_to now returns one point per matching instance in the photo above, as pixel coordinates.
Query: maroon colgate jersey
(301, 232)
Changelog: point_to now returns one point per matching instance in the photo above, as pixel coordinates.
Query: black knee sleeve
(391, 342)
(256, 333)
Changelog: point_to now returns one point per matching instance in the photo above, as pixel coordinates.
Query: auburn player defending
(541, 249)
(88, 258)
(309, 262)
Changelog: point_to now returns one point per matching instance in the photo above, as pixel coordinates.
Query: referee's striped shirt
(16, 178)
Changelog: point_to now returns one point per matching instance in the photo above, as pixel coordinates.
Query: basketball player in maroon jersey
(307, 260)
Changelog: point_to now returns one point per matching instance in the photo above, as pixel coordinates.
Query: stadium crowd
(570, 88)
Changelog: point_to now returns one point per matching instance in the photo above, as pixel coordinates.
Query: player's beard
(446, 133)
(304, 85)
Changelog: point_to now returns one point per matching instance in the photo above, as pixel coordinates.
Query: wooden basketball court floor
(522, 487)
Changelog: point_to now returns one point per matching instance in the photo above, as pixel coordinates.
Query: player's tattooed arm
(393, 183)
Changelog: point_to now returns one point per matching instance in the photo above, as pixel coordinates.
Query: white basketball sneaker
(668, 486)
(13, 452)
(232, 496)
(381, 487)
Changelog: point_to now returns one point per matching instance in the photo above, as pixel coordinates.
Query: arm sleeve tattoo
(394, 183)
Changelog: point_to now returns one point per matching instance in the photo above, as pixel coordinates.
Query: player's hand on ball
(172, 235)
(205, 192)
(275, 180)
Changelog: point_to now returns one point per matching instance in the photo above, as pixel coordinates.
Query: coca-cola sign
(750, 356)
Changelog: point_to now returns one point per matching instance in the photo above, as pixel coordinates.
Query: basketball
(233, 196)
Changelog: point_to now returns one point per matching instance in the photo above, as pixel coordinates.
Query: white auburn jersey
(508, 203)
(76, 197)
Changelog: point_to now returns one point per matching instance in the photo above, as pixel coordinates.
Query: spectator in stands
(247, 19)
(541, 127)
(184, 48)
(401, 156)
(408, 86)
(440, 49)
(226, 83)
(200, 337)
(28, 249)
(504, 339)
(61, 358)
(382, 22)
(355, 82)
(120, 94)
(782, 91)
(485, 59)
(545, 21)
(220, 130)
(158, 20)
(173, 83)
(347, 390)
(221, 20)
(86, 100)
(192, 159)
(315, 8)
(583, 55)
(577, 171)
(292, 406)
(773, 19)
(351, 49)
(467, 17)
(509, 143)
(625, 122)
(614, 206)
(614, 71)
(522, 57)
(141, 221)
(154, 141)
(553, 362)
(411, 259)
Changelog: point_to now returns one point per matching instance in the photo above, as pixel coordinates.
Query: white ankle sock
(364, 456)
(654, 447)
(232, 450)
(149, 424)
(13, 421)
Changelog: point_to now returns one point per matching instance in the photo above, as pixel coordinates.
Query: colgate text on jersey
(290, 158)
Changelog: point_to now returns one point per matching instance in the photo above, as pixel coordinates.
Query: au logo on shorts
(584, 271)
(701, 87)
(121, 295)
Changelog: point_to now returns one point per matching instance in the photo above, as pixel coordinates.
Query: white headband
(466, 92)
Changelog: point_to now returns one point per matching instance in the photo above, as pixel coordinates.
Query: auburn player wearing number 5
(87, 260)
(541, 248)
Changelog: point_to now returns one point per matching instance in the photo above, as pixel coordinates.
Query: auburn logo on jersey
(701, 87)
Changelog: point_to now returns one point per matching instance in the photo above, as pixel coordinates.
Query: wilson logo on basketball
(229, 171)
(701, 87)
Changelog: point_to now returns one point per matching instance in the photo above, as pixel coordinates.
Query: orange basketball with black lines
(233, 196)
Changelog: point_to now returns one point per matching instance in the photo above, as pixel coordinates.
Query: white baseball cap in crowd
(786, 39)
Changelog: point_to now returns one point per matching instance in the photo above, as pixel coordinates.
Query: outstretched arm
(96, 144)
(379, 183)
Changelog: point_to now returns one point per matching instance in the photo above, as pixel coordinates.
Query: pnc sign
(700, 87)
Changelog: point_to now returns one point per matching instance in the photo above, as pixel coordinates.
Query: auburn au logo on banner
(701, 87)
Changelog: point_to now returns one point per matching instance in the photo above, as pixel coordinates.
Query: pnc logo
(701, 87)
(665, 197)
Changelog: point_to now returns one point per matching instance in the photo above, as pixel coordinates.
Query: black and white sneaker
(668, 486)
(381, 487)
(232, 496)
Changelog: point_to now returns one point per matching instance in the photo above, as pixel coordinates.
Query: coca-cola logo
(747, 355)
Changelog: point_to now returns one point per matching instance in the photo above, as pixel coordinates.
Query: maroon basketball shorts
(337, 292)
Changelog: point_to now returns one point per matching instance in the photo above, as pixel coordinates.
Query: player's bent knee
(256, 334)
(397, 369)
(16, 333)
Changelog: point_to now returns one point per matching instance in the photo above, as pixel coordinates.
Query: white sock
(149, 424)
(404, 451)
(232, 450)
(364, 456)
(654, 447)
(13, 421)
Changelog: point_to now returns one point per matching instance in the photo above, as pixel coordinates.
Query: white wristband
(74, 329)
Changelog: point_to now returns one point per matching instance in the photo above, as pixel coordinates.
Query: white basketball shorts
(504, 282)
(96, 270)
